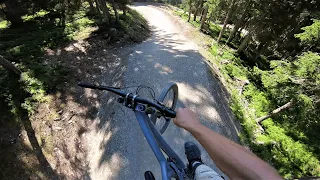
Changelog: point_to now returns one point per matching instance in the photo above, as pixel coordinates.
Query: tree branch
(276, 111)
(9, 66)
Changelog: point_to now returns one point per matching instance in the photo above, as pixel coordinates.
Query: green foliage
(35, 88)
(292, 158)
(74, 27)
(241, 114)
(185, 17)
(234, 68)
(290, 151)
(311, 34)
(133, 24)
(38, 14)
(214, 50)
(4, 24)
(289, 79)
(290, 140)
(258, 100)
(214, 29)
(213, 6)
(307, 67)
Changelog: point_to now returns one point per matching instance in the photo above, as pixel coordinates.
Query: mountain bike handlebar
(131, 97)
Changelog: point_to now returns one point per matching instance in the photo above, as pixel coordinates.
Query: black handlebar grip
(87, 85)
(171, 113)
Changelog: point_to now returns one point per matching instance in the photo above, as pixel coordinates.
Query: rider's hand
(186, 119)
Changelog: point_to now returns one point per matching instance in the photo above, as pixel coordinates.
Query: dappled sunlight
(69, 118)
(163, 69)
(77, 46)
(109, 170)
(168, 56)
(99, 166)
(180, 56)
(169, 50)
(188, 94)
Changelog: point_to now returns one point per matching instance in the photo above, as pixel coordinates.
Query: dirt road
(118, 149)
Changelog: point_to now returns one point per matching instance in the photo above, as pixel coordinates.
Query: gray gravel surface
(118, 149)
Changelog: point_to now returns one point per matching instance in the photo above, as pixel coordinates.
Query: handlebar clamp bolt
(120, 100)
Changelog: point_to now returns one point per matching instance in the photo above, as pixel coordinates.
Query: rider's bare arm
(234, 160)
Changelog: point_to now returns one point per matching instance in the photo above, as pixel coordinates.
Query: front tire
(168, 97)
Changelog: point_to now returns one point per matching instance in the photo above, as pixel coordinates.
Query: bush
(292, 158)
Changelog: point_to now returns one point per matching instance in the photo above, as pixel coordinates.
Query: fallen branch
(9, 66)
(276, 111)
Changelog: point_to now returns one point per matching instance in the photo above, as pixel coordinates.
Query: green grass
(185, 17)
(292, 157)
(211, 28)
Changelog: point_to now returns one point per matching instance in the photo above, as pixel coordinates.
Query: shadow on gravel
(76, 109)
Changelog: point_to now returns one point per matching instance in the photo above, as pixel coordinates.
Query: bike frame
(171, 167)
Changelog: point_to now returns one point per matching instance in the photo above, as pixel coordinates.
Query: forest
(268, 52)
(31, 72)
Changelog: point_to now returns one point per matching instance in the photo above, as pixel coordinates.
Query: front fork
(168, 168)
(165, 169)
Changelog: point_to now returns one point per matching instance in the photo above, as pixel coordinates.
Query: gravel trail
(119, 149)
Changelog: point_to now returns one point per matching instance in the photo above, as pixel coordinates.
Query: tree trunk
(97, 6)
(210, 17)
(124, 9)
(242, 27)
(195, 15)
(9, 66)
(92, 9)
(62, 13)
(204, 17)
(226, 20)
(98, 9)
(276, 111)
(115, 10)
(202, 11)
(77, 4)
(239, 22)
(245, 42)
(12, 13)
(197, 8)
(42, 4)
(190, 10)
(105, 11)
